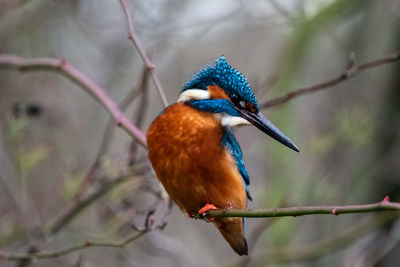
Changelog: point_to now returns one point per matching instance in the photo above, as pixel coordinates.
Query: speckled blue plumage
(226, 77)
(216, 106)
(230, 142)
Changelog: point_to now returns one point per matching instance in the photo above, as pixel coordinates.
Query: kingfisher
(195, 154)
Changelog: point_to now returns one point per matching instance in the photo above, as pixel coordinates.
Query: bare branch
(384, 205)
(349, 72)
(79, 204)
(139, 115)
(108, 134)
(62, 66)
(68, 250)
(150, 225)
(140, 48)
(318, 249)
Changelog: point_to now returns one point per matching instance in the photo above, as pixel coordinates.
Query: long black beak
(262, 123)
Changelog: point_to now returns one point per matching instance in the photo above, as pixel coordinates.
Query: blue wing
(230, 142)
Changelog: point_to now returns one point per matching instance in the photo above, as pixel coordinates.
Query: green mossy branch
(383, 205)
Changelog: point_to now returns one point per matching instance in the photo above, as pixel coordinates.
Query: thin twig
(138, 116)
(307, 252)
(133, 94)
(107, 136)
(68, 250)
(140, 48)
(62, 66)
(349, 72)
(383, 205)
(79, 204)
(254, 237)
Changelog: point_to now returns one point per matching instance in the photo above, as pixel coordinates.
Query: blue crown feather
(226, 77)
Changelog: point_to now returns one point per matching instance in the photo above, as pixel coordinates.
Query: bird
(193, 150)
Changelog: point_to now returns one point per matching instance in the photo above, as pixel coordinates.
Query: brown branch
(123, 106)
(62, 66)
(140, 48)
(139, 115)
(108, 134)
(384, 205)
(349, 72)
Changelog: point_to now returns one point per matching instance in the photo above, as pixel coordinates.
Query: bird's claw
(203, 211)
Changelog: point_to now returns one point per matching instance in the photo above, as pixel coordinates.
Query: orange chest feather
(184, 147)
(182, 131)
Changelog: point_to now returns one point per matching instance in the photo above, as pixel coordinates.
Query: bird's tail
(233, 232)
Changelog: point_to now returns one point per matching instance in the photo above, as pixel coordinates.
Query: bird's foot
(203, 211)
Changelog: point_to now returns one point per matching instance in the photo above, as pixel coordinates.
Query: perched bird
(194, 152)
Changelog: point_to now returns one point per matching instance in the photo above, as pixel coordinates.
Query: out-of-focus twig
(108, 134)
(349, 72)
(79, 204)
(384, 205)
(139, 115)
(307, 252)
(62, 66)
(254, 237)
(150, 224)
(68, 250)
(140, 48)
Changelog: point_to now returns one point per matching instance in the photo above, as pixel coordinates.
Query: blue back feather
(230, 142)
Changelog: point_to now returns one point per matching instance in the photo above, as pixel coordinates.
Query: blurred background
(54, 193)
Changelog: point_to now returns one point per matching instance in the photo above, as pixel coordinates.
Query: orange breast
(184, 146)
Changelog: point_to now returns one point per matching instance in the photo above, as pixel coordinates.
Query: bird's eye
(237, 101)
(235, 98)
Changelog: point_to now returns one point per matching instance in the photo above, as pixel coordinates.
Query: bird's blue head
(221, 89)
(226, 77)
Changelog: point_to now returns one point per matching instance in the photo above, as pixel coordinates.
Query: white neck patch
(233, 121)
(193, 94)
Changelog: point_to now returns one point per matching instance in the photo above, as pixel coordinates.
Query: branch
(140, 48)
(151, 224)
(68, 250)
(139, 116)
(79, 204)
(307, 252)
(108, 135)
(384, 205)
(349, 72)
(65, 68)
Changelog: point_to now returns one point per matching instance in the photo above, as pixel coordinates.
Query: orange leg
(207, 207)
